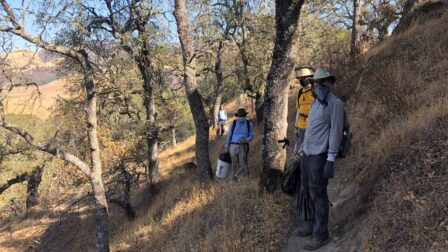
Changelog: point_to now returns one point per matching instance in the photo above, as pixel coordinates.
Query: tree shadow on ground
(75, 230)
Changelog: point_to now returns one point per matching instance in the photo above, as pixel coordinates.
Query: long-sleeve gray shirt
(324, 128)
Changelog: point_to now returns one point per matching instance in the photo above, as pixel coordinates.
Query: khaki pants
(238, 153)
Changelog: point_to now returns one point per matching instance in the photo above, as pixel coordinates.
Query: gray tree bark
(287, 13)
(219, 82)
(259, 102)
(96, 180)
(173, 136)
(193, 96)
(354, 46)
(152, 131)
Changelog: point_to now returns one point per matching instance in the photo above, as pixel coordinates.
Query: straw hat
(304, 72)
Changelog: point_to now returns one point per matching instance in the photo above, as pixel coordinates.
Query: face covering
(320, 92)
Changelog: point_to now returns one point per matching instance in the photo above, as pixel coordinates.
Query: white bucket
(222, 169)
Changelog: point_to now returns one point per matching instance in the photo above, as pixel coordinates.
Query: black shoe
(313, 243)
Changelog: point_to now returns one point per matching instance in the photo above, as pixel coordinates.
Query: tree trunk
(245, 60)
(219, 83)
(193, 96)
(405, 19)
(102, 214)
(354, 46)
(276, 95)
(173, 136)
(259, 106)
(32, 191)
(259, 102)
(125, 202)
(216, 104)
(152, 130)
(96, 180)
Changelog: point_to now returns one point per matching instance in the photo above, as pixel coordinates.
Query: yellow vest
(304, 104)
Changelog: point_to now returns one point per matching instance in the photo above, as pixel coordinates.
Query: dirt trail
(296, 243)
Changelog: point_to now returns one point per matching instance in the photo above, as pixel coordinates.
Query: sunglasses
(305, 82)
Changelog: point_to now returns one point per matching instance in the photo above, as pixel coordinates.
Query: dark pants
(315, 184)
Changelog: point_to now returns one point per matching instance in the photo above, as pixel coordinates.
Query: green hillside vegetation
(13, 199)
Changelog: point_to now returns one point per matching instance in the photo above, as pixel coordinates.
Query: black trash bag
(304, 206)
(291, 178)
(225, 157)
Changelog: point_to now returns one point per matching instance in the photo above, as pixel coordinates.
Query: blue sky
(17, 41)
(31, 27)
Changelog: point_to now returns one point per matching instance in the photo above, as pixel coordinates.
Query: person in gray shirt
(320, 147)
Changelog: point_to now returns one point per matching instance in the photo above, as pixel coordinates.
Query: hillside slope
(399, 111)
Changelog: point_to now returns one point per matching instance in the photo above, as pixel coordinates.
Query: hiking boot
(303, 231)
(313, 243)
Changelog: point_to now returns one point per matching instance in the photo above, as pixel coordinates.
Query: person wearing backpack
(222, 120)
(321, 145)
(241, 132)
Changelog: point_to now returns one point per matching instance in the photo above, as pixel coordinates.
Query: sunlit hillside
(36, 101)
(32, 67)
(29, 60)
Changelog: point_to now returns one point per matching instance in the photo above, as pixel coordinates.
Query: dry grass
(395, 117)
(223, 216)
(403, 88)
(412, 201)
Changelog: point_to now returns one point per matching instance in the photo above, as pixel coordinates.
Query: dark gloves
(329, 169)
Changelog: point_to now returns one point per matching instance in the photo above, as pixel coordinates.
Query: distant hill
(25, 66)
(24, 100)
(29, 66)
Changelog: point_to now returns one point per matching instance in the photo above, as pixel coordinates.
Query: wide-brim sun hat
(241, 112)
(323, 74)
(304, 72)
